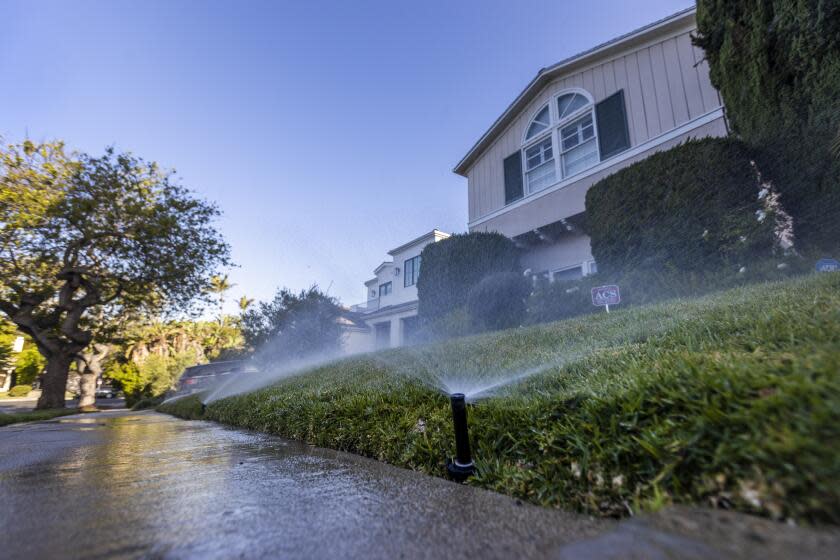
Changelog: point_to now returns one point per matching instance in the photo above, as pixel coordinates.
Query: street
(120, 484)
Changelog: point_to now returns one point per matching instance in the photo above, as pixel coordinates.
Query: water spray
(462, 467)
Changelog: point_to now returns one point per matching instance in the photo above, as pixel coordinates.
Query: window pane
(568, 274)
(541, 122)
(580, 158)
(569, 103)
(541, 177)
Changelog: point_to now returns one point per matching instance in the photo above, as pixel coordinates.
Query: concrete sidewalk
(119, 484)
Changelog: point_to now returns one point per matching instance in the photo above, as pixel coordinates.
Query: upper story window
(385, 289)
(564, 138)
(411, 271)
(540, 123)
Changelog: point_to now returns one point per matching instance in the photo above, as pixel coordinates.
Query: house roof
(433, 235)
(545, 75)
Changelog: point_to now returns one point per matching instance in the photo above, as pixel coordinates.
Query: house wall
(400, 293)
(570, 250)
(666, 86)
(357, 342)
(549, 206)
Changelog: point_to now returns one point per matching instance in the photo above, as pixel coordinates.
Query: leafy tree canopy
(294, 325)
(80, 234)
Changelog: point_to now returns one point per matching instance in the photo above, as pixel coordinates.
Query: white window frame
(553, 132)
(581, 266)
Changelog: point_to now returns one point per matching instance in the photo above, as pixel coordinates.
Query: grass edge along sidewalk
(730, 400)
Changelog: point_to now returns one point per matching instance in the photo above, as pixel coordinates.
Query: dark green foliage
(690, 208)
(20, 390)
(732, 399)
(453, 266)
(552, 301)
(293, 326)
(777, 66)
(498, 301)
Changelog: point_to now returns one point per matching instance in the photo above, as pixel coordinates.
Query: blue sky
(325, 131)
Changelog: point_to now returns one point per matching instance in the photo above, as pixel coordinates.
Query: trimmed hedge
(692, 207)
(776, 64)
(453, 266)
(20, 390)
(498, 301)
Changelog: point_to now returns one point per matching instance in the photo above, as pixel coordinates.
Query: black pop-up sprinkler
(462, 467)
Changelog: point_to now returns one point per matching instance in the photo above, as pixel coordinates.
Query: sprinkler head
(462, 467)
(203, 408)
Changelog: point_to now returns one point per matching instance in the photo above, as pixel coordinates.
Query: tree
(81, 235)
(294, 326)
(776, 64)
(219, 285)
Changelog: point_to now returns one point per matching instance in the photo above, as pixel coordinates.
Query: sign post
(604, 296)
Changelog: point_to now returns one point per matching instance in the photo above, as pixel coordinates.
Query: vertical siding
(691, 76)
(665, 85)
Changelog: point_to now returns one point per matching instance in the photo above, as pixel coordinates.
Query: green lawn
(731, 400)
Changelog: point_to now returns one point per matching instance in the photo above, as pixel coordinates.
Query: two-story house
(390, 312)
(577, 122)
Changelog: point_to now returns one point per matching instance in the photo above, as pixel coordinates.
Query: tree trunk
(54, 383)
(87, 389)
(90, 368)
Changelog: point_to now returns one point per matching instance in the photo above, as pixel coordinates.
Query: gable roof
(546, 75)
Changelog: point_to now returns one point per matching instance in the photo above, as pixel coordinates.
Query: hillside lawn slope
(730, 400)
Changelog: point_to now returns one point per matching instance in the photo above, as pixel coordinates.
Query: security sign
(827, 265)
(606, 296)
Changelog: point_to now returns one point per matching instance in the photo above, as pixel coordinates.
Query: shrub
(20, 390)
(29, 364)
(498, 301)
(693, 207)
(777, 66)
(562, 300)
(552, 301)
(453, 266)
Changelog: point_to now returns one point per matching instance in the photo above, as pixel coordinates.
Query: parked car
(107, 392)
(198, 378)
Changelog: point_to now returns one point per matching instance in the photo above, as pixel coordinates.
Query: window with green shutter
(513, 177)
(613, 134)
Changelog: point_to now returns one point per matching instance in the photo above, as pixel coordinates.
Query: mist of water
(265, 375)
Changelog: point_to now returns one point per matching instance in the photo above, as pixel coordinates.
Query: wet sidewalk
(138, 485)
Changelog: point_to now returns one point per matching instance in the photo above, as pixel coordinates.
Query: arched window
(541, 122)
(540, 167)
(560, 141)
(578, 142)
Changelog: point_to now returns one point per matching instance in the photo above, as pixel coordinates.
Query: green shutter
(513, 177)
(613, 134)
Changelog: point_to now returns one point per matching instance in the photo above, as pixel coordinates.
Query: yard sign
(606, 296)
(827, 265)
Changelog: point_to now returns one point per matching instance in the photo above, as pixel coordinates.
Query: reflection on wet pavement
(146, 485)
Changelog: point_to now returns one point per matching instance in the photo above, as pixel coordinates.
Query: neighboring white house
(389, 316)
(577, 122)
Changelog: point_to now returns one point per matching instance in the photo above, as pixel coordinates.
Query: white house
(577, 122)
(389, 316)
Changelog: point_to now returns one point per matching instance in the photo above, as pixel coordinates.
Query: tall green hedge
(453, 266)
(693, 207)
(777, 66)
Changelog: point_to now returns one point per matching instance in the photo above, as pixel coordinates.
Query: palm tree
(220, 284)
(244, 303)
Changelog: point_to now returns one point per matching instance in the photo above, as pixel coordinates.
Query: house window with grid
(385, 289)
(411, 268)
(560, 141)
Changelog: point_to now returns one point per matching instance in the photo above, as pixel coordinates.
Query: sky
(326, 132)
